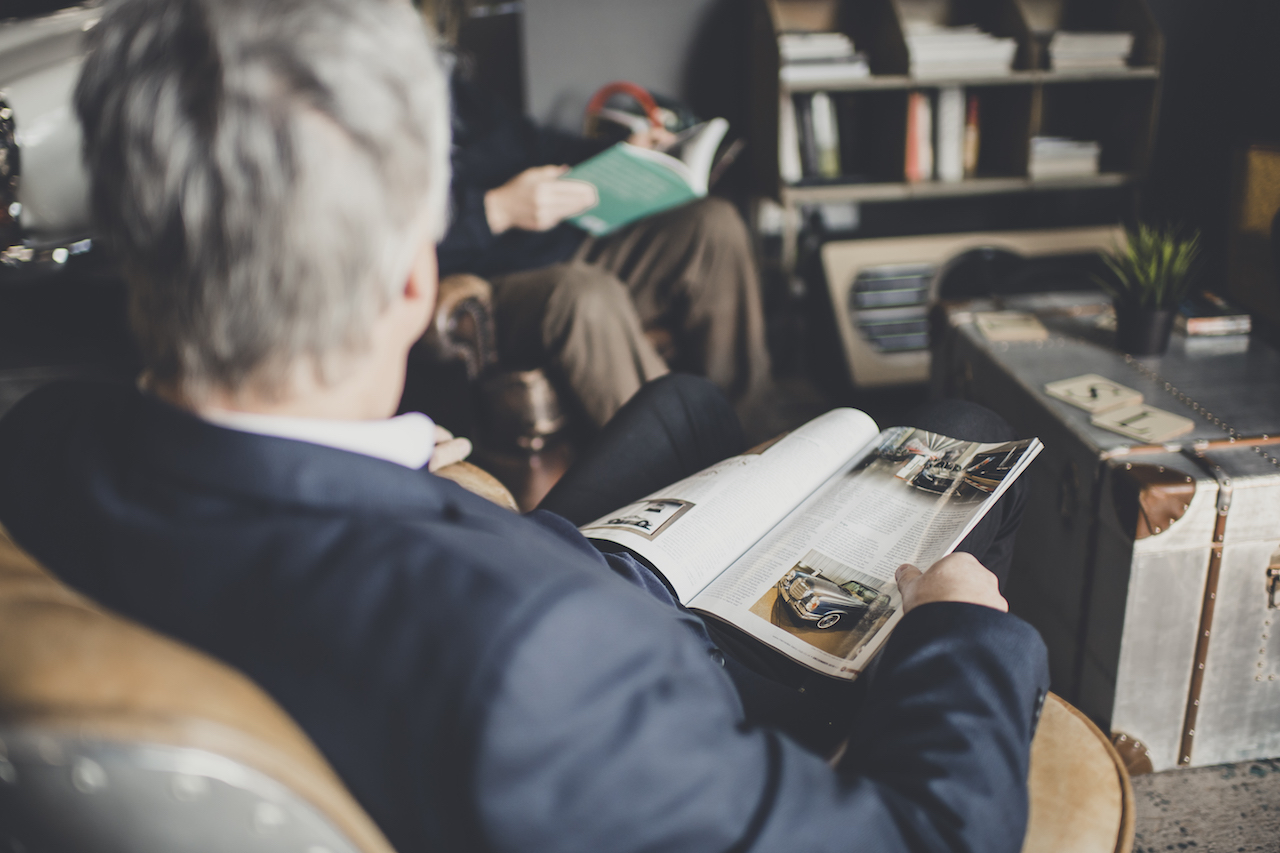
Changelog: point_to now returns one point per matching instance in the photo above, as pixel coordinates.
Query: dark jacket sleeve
(492, 144)
(641, 744)
(468, 224)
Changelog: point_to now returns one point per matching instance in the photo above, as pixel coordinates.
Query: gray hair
(266, 171)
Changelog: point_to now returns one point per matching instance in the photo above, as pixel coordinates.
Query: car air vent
(889, 306)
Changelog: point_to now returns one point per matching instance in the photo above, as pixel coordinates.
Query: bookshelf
(1115, 106)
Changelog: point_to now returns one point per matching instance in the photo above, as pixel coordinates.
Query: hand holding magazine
(632, 182)
(797, 544)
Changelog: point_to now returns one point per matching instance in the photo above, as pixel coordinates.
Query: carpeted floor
(1230, 808)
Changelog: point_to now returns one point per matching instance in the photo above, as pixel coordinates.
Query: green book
(631, 183)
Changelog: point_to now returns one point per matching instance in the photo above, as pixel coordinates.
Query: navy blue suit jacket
(482, 681)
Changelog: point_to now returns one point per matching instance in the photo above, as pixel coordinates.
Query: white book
(950, 135)
(955, 68)
(826, 137)
(795, 47)
(1081, 50)
(1113, 43)
(789, 165)
(855, 68)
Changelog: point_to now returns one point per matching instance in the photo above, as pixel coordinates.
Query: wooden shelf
(889, 82)
(827, 193)
(1116, 107)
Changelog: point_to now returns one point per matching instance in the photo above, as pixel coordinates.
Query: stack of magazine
(1060, 157)
(938, 51)
(1088, 51)
(819, 57)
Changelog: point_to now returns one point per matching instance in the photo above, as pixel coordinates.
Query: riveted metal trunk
(1152, 571)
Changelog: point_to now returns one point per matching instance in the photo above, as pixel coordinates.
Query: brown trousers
(688, 271)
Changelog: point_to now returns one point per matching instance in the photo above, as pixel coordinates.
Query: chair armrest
(462, 326)
(480, 482)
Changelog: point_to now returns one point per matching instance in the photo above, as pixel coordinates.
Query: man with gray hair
(272, 176)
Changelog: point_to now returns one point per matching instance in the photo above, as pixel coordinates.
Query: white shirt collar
(407, 439)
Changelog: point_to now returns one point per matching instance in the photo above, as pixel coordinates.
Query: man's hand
(653, 137)
(956, 577)
(535, 200)
(448, 450)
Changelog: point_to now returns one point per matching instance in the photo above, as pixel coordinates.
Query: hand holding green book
(632, 183)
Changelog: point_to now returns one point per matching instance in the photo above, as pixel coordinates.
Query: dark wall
(1221, 91)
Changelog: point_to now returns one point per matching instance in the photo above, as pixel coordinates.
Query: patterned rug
(1230, 808)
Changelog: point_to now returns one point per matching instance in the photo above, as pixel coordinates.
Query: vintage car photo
(813, 598)
(828, 604)
(945, 466)
(646, 518)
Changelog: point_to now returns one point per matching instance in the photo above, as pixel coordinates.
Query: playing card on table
(1093, 393)
(1145, 423)
(1010, 326)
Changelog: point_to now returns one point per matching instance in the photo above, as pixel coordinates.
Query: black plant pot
(1143, 331)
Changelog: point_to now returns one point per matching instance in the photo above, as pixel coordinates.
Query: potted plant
(1149, 279)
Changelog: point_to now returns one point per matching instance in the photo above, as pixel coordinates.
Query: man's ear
(420, 285)
(417, 300)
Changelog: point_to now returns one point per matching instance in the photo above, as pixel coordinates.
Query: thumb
(448, 452)
(907, 574)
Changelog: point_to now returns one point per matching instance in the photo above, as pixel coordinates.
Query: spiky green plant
(1154, 270)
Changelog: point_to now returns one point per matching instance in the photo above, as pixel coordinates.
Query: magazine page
(691, 530)
(820, 587)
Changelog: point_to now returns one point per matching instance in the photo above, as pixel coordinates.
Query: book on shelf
(826, 135)
(853, 159)
(942, 139)
(1060, 157)
(797, 544)
(631, 183)
(1070, 51)
(814, 46)
(1207, 313)
(972, 136)
(949, 136)
(818, 138)
(819, 57)
(790, 167)
(937, 51)
(919, 140)
(830, 73)
(808, 142)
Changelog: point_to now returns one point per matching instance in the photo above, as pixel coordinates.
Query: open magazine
(632, 182)
(797, 544)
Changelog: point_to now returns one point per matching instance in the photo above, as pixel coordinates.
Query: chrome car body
(817, 601)
(44, 211)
